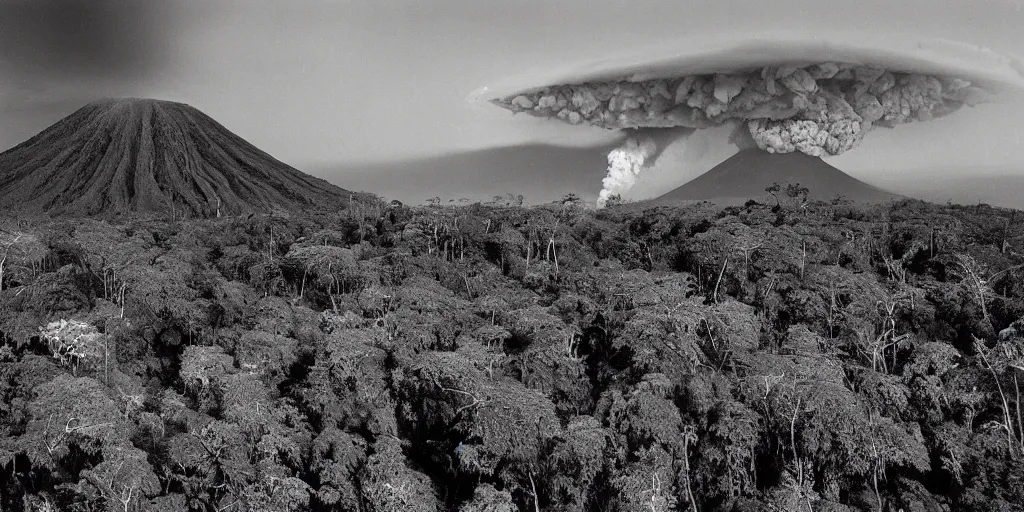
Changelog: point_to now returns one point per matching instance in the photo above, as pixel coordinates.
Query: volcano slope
(748, 173)
(148, 156)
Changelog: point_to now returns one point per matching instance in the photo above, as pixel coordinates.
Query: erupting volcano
(813, 96)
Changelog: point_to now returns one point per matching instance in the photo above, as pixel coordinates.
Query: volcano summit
(139, 155)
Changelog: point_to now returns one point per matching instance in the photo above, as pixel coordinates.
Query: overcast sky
(325, 84)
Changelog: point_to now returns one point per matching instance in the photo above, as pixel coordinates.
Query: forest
(785, 355)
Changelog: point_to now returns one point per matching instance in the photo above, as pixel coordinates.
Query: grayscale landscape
(464, 256)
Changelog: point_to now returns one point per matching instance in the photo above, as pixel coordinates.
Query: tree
(571, 199)
(8, 246)
(774, 189)
(799, 194)
(17, 248)
(212, 463)
(347, 387)
(388, 485)
(124, 480)
(509, 199)
(747, 240)
(973, 277)
(613, 200)
(650, 426)
(203, 365)
(493, 428)
(547, 357)
(68, 414)
(75, 344)
(333, 270)
(337, 457)
(577, 459)
(647, 484)
(1007, 361)
(488, 499)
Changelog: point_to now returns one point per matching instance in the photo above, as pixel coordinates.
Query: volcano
(747, 174)
(120, 156)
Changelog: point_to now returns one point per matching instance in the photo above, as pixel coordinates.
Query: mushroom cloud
(808, 96)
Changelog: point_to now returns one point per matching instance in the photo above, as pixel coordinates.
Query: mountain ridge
(480, 174)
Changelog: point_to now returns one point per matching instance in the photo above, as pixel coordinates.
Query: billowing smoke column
(624, 166)
(821, 109)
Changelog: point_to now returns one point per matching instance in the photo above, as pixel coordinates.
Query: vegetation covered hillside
(492, 358)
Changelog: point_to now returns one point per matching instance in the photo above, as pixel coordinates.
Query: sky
(333, 87)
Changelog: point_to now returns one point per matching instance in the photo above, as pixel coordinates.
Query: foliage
(799, 355)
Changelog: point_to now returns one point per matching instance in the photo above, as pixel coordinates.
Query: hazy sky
(320, 83)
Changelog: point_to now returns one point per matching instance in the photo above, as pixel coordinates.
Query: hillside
(138, 155)
(746, 174)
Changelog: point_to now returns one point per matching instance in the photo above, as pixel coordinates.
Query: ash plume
(624, 166)
(822, 109)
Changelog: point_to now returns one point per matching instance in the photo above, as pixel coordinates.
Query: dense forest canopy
(795, 355)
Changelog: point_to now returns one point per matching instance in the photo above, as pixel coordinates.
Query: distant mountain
(542, 173)
(746, 174)
(960, 186)
(139, 155)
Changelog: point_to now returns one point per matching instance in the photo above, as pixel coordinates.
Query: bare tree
(7, 253)
(835, 309)
(718, 282)
(747, 243)
(1012, 360)
(774, 189)
(552, 249)
(973, 277)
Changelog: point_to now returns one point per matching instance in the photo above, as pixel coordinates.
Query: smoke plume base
(819, 109)
(624, 166)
